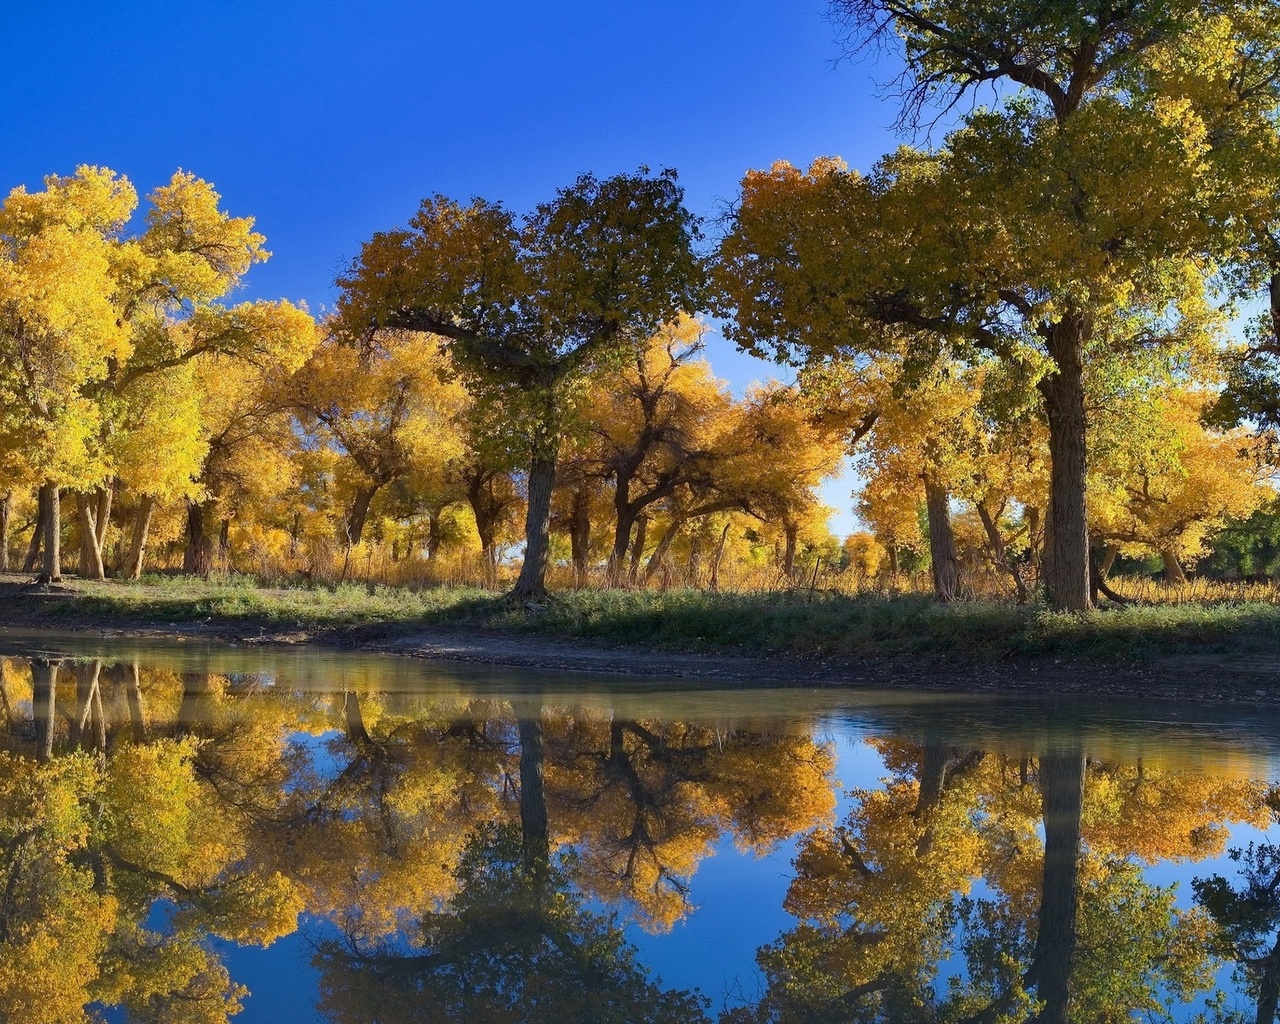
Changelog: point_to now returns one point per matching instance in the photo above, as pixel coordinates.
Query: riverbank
(1190, 651)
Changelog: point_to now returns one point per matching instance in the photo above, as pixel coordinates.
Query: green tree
(530, 305)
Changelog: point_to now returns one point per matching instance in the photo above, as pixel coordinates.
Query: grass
(806, 624)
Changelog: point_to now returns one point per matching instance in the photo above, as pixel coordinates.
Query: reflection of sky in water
(738, 896)
(738, 899)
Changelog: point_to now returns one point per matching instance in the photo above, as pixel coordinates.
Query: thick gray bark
(532, 582)
(1066, 562)
(51, 566)
(942, 545)
(791, 531)
(198, 556)
(580, 536)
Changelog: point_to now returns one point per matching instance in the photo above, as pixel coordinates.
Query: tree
(98, 327)
(1063, 226)
(391, 407)
(530, 306)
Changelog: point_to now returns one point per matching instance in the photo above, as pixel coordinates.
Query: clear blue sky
(328, 121)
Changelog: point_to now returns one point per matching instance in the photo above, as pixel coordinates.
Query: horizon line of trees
(1022, 334)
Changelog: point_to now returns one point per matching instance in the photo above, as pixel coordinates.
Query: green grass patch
(816, 625)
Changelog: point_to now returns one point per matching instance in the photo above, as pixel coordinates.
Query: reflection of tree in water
(1064, 928)
(95, 831)
(512, 945)
(1247, 923)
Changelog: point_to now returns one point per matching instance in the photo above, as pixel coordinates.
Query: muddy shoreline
(1200, 678)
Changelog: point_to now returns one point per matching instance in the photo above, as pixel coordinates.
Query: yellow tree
(92, 314)
(1169, 481)
(391, 406)
(1084, 148)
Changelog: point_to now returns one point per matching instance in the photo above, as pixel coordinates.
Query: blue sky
(327, 121)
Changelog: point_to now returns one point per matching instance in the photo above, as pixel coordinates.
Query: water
(187, 829)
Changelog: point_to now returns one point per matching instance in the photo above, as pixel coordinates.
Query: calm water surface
(190, 832)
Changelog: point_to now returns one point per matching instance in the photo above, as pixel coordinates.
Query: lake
(191, 832)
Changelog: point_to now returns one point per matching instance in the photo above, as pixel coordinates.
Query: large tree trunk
(6, 514)
(1066, 570)
(1173, 572)
(531, 585)
(580, 536)
(942, 545)
(91, 567)
(354, 523)
(50, 499)
(1061, 790)
(138, 545)
(198, 556)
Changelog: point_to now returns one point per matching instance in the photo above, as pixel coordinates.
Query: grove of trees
(1028, 338)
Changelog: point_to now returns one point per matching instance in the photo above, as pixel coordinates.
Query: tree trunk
(50, 499)
(1266, 976)
(195, 712)
(893, 561)
(693, 570)
(535, 834)
(434, 535)
(580, 536)
(138, 546)
(44, 698)
(91, 567)
(1061, 790)
(1000, 553)
(198, 556)
(625, 521)
(637, 547)
(89, 730)
(531, 585)
(1108, 559)
(353, 525)
(37, 537)
(486, 521)
(664, 545)
(6, 513)
(1066, 574)
(1173, 572)
(792, 533)
(106, 499)
(714, 582)
(942, 545)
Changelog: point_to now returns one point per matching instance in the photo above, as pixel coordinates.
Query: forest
(1047, 342)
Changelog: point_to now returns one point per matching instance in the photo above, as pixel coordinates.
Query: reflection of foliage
(1248, 922)
(1064, 926)
(505, 948)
